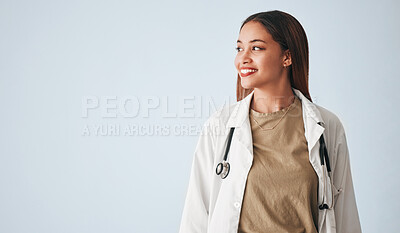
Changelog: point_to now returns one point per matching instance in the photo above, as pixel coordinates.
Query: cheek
(236, 62)
(269, 63)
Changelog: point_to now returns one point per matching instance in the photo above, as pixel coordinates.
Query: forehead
(254, 30)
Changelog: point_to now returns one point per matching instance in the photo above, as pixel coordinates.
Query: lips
(246, 71)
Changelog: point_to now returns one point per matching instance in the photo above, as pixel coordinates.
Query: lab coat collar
(241, 110)
(314, 125)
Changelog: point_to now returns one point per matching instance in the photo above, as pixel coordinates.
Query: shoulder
(332, 122)
(220, 117)
(334, 133)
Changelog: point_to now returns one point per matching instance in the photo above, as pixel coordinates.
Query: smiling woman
(288, 168)
(275, 44)
(264, 63)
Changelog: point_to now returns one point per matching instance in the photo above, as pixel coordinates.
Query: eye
(238, 49)
(257, 48)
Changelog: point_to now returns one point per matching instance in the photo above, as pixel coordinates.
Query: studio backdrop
(102, 103)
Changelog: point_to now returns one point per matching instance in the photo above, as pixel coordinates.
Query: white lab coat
(213, 204)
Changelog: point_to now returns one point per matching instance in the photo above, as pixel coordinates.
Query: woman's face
(259, 60)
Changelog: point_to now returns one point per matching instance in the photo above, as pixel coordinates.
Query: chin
(246, 84)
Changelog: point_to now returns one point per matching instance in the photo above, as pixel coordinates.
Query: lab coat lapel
(313, 130)
(314, 127)
(239, 119)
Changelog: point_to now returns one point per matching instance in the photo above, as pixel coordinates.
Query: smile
(247, 72)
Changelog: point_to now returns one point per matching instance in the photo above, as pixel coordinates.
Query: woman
(289, 168)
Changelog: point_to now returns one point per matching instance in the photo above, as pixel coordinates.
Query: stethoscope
(224, 167)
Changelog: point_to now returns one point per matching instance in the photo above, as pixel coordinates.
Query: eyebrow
(252, 41)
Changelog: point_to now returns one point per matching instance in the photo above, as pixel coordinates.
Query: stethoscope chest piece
(223, 169)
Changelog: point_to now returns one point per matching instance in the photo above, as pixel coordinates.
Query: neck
(272, 98)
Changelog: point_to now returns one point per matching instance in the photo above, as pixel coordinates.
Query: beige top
(281, 188)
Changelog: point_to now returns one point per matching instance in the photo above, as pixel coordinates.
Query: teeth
(245, 71)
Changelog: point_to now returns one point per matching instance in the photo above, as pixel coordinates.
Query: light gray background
(53, 54)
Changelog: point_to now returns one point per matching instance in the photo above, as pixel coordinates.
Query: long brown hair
(289, 33)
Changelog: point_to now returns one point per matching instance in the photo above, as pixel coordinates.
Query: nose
(244, 57)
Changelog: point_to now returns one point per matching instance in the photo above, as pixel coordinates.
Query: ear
(287, 58)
